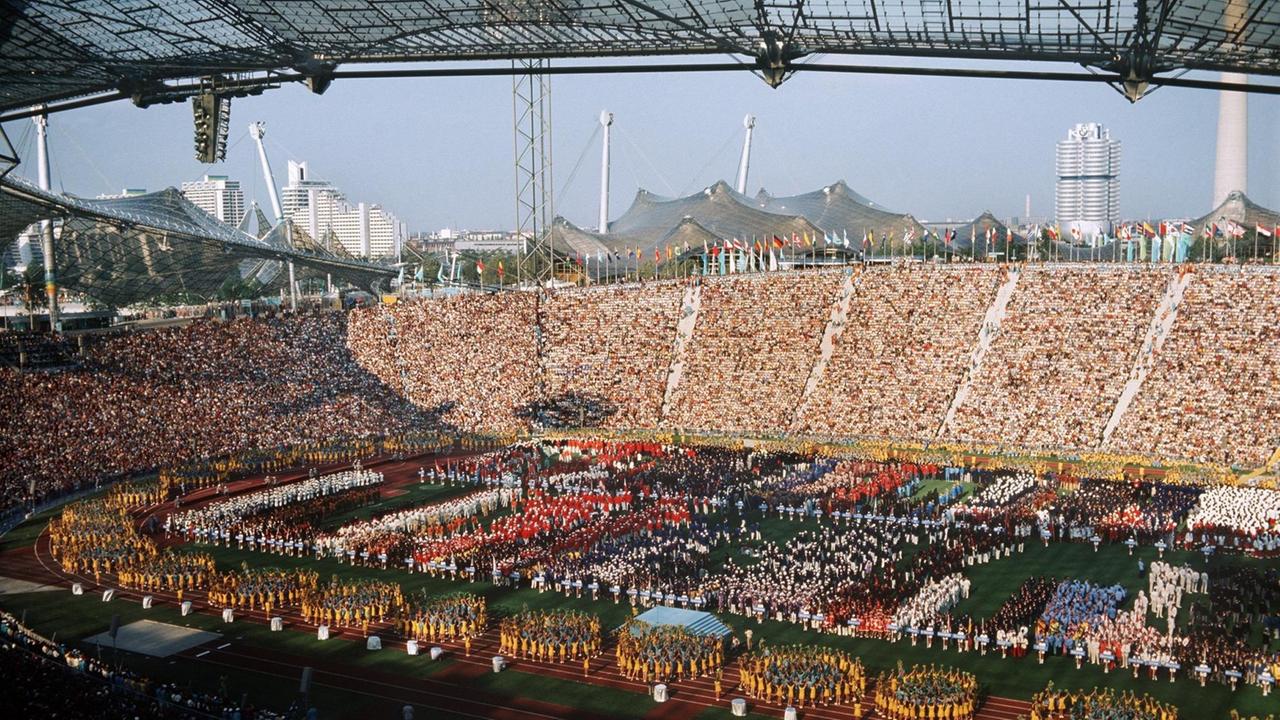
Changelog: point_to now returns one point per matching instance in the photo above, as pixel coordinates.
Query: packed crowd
(1211, 396)
(612, 346)
(550, 635)
(800, 676)
(1116, 512)
(1061, 357)
(1008, 627)
(352, 604)
(752, 349)
(210, 389)
(661, 653)
(1075, 609)
(1247, 518)
(926, 692)
(278, 518)
(452, 617)
(903, 349)
(51, 680)
(468, 361)
(262, 589)
(1098, 704)
(1007, 492)
(392, 537)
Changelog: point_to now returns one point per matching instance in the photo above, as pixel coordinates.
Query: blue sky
(438, 152)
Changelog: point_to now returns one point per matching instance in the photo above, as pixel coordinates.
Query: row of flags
(735, 255)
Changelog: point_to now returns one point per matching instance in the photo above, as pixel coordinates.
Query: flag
(440, 273)
(501, 270)
(657, 256)
(1054, 233)
(1261, 230)
(1148, 230)
(779, 242)
(479, 267)
(846, 238)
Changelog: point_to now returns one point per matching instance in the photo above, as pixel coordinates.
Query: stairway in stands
(689, 308)
(1157, 332)
(996, 313)
(835, 328)
(393, 340)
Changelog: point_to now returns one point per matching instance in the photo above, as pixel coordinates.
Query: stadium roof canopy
(55, 50)
(125, 250)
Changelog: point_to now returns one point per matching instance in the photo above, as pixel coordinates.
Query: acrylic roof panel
(126, 250)
(61, 48)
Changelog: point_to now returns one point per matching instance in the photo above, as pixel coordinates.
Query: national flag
(779, 242)
(846, 238)
(1054, 233)
(1261, 230)
(657, 256)
(479, 267)
(1148, 230)
(501, 270)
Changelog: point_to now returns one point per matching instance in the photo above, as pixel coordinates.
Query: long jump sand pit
(156, 639)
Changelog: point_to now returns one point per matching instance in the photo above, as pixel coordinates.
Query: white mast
(257, 130)
(46, 226)
(748, 122)
(606, 120)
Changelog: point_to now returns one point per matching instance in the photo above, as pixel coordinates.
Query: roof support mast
(748, 122)
(258, 130)
(606, 120)
(46, 226)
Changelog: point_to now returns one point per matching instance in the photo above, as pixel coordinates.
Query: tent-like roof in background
(126, 250)
(719, 209)
(838, 209)
(972, 235)
(570, 240)
(1240, 209)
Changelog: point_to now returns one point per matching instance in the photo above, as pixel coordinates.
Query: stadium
(725, 455)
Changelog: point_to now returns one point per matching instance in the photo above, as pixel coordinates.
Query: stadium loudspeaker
(115, 626)
(304, 683)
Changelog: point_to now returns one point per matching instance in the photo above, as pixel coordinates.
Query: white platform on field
(152, 638)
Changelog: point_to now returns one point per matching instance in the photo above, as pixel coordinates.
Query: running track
(448, 690)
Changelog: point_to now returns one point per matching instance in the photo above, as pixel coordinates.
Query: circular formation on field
(265, 588)
(803, 674)
(169, 570)
(1053, 704)
(351, 604)
(926, 692)
(666, 652)
(453, 617)
(549, 635)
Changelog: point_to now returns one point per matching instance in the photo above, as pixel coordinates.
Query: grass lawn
(74, 618)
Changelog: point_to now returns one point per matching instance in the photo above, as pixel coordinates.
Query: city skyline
(936, 148)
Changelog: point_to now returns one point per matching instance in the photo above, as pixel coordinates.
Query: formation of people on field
(640, 523)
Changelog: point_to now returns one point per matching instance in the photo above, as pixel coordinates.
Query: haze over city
(438, 152)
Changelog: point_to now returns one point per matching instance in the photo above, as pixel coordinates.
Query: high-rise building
(364, 230)
(1088, 189)
(218, 196)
